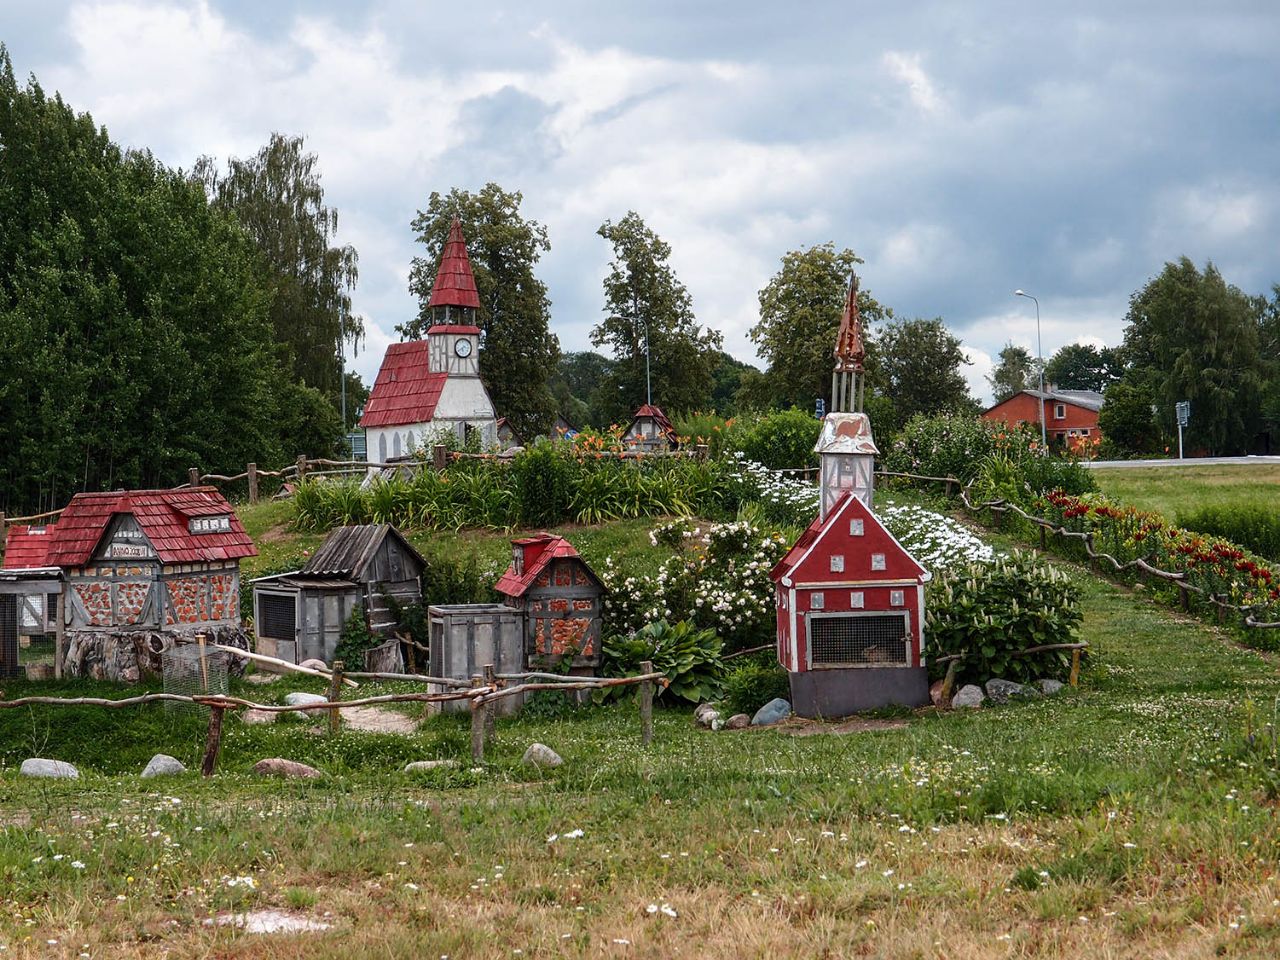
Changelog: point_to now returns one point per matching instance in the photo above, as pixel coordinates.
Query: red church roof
(455, 284)
(806, 560)
(654, 412)
(163, 515)
(405, 391)
(538, 552)
(27, 547)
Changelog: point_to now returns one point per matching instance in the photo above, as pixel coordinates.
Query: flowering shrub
(933, 538)
(992, 611)
(783, 439)
(785, 501)
(720, 582)
(1217, 566)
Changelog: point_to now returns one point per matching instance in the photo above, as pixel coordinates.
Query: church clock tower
(454, 338)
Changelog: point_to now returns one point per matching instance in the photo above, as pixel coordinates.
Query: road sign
(1183, 409)
(821, 410)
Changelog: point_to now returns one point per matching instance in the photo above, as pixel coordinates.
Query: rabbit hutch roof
(165, 519)
(348, 551)
(538, 552)
(832, 535)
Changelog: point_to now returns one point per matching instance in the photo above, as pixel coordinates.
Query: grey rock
(261, 679)
(707, 718)
(739, 721)
(970, 695)
(314, 664)
(258, 716)
(162, 764)
(1002, 691)
(302, 699)
(1049, 687)
(774, 711)
(540, 755)
(57, 769)
(279, 767)
(420, 765)
(703, 708)
(935, 693)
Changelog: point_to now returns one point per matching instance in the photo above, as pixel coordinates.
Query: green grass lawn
(1170, 489)
(1122, 819)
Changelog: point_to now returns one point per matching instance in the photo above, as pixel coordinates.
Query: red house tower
(849, 597)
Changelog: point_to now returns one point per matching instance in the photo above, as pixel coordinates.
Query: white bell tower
(846, 451)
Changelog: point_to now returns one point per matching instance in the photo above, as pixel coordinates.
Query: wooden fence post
(302, 468)
(1184, 597)
(1043, 545)
(490, 716)
(212, 743)
(949, 682)
(646, 705)
(193, 476)
(1075, 667)
(335, 694)
(253, 483)
(700, 451)
(478, 712)
(440, 456)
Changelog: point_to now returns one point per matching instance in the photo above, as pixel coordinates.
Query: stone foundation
(129, 655)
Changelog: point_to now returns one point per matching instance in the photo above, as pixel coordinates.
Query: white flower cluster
(934, 539)
(790, 500)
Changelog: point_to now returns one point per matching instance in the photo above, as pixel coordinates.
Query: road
(1189, 462)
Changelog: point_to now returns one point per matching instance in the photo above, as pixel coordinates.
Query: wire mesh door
(191, 670)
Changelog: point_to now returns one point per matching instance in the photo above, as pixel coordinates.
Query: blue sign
(821, 410)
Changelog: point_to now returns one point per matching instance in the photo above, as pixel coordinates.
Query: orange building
(1070, 416)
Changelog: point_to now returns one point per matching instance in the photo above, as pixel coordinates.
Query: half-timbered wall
(563, 610)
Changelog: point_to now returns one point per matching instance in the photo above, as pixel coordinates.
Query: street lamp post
(1039, 365)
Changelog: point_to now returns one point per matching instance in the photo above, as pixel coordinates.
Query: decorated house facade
(650, 430)
(428, 389)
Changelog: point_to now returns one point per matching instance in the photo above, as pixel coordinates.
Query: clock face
(462, 348)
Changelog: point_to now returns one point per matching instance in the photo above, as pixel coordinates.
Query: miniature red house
(650, 430)
(849, 597)
(561, 598)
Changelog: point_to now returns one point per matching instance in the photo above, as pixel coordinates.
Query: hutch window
(837, 563)
(817, 601)
(877, 561)
(860, 639)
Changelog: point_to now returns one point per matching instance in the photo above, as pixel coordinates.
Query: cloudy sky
(963, 150)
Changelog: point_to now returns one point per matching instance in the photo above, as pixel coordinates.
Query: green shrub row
(1255, 528)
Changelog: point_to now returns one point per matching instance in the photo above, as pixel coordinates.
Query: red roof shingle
(163, 516)
(539, 551)
(405, 391)
(455, 284)
(27, 547)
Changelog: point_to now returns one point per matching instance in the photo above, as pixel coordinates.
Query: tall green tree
(916, 366)
(644, 300)
(1015, 372)
(518, 351)
(134, 331)
(1126, 422)
(277, 197)
(800, 310)
(1269, 350)
(1192, 336)
(1082, 366)
(579, 375)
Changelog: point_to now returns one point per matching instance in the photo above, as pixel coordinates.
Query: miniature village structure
(141, 571)
(426, 389)
(300, 615)
(849, 597)
(650, 430)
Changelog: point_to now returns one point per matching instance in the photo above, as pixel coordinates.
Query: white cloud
(906, 69)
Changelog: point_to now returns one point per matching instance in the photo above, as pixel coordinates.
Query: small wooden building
(507, 436)
(650, 430)
(561, 599)
(300, 615)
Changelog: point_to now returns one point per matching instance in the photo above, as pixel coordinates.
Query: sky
(962, 150)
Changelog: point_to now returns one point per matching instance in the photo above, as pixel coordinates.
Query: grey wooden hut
(300, 615)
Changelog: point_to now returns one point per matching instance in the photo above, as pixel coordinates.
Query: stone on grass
(258, 716)
(739, 721)
(707, 718)
(774, 711)
(57, 769)
(302, 699)
(1002, 691)
(970, 695)
(279, 767)
(540, 755)
(935, 693)
(419, 765)
(261, 679)
(1049, 687)
(314, 664)
(162, 764)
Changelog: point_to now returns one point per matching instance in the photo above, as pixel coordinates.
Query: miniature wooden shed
(300, 615)
(561, 599)
(650, 430)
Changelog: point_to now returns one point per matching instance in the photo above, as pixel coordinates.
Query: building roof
(406, 391)
(539, 551)
(654, 412)
(163, 516)
(846, 433)
(455, 284)
(832, 535)
(1087, 399)
(27, 547)
(346, 551)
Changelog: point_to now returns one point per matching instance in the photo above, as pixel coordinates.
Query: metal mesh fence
(192, 670)
(859, 639)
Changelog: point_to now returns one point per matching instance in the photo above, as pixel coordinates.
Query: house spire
(455, 286)
(847, 380)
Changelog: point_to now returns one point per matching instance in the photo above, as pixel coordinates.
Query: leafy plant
(688, 656)
(992, 612)
(1254, 527)
(754, 681)
(355, 639)
(783, 439)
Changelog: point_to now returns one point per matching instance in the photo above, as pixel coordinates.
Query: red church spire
(455, 284)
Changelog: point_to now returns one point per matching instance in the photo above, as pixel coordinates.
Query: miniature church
(427, 389)
(849, 597)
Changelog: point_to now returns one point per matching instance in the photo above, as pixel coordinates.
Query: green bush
(355, 639)
(722, 436)
(753, 681)
(543, 477)
(992, 611)
(689, 657)
(783, 439)
(1255, 528)
(952, 445)
(452, 578)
